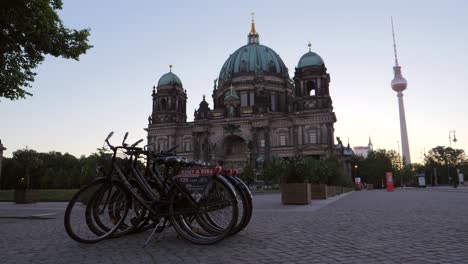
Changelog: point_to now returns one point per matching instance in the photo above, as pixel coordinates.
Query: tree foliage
(248, 174)
(372, 169)
(52, 170)
(441, 156)
(29, 30)
(274, 170)
(442, 163)
(304, 169)
(29, 160)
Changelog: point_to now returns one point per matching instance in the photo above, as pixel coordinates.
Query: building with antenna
(258, 111)
(399, 85)
(363, 151)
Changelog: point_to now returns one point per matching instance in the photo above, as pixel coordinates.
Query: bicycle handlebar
(110, 135)
(171, 149)
(107, 139)
(136, 143)
(125, 138)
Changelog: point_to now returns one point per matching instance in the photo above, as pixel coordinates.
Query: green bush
(248, 174)
(304, 169)
(274, 171)
(295, 170)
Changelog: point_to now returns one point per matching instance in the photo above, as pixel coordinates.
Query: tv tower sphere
(399, 83)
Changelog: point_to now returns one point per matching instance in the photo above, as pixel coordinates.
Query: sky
(77, 103)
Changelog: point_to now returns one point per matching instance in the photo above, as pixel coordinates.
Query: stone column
(254, 148)
(295, 136)
(196, 146)
(267, 145)
(301, 135)
(204, 152)
(323, 134)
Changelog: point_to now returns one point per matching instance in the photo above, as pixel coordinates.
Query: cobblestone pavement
(406, 226)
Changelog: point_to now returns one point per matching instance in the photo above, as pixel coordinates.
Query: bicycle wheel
(248, 203)
(244, 203)
(79, 222)
(188, 217)
(107, 209)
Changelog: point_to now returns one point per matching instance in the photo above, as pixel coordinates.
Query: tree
(274, 170)
(378, 162)
(30, 29)
(443, 156)
(442, 159)
(29, 160)
(248, 175)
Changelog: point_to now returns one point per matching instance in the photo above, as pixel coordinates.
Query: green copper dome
(169, 79)
(253, 58)
(310, 59)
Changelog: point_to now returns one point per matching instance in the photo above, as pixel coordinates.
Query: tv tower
(399, 85)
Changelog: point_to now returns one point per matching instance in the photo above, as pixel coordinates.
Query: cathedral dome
(310, 59)
(252, 59)
(169, 79)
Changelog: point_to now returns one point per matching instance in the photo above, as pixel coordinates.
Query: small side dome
(169, 79)
(310, 59)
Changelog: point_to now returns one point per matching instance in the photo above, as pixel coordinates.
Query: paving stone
(406, 226)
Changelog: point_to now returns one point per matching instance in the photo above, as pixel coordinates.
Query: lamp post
(452, 132)
(454, 137)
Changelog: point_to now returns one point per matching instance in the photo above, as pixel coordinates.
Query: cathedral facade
(258, 112)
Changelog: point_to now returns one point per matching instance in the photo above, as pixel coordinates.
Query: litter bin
(421, 180)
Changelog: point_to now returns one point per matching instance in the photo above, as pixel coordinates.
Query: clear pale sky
(77, 103)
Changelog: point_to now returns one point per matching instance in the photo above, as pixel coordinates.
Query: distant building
(258, 111)
(364, 150)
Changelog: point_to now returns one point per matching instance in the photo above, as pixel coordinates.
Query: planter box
(331, 191)
(295, 193)
(318, 191)
(23, 196)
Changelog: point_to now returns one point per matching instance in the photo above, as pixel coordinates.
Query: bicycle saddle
(195, 163)
(173, 160)
(183, 161)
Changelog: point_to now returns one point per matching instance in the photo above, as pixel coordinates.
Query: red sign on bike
(194, 172)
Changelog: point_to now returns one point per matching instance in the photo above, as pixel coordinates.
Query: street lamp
(454, 137)
(448, 165)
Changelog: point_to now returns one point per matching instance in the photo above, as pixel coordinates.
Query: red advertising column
(389, 180)
(357, 182)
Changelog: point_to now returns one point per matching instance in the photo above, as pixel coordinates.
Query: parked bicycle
(149, 190)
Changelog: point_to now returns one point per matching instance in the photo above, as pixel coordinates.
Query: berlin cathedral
(258, 112)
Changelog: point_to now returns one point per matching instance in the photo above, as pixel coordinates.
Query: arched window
(162, 145)
(313, 136)
(311, 88)
(273, 102)
(282, 140)
(187, 146)
(163, 104)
